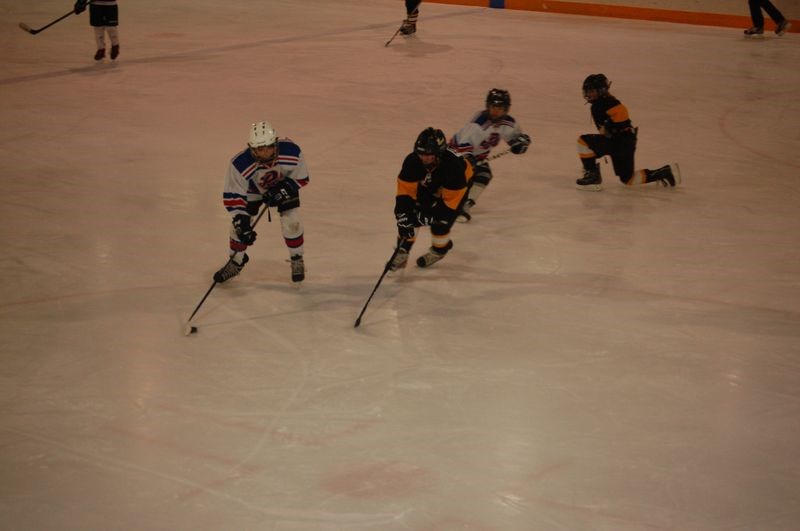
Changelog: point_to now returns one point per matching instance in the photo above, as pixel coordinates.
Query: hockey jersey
(481, 134)
(437, 192)
(611, 116)
(249, 178)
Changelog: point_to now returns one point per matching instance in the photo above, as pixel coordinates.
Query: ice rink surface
(620, 360)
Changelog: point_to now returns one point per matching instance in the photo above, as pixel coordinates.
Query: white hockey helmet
(262, 134)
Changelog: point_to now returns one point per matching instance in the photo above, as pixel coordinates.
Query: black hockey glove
(241, 224)
(405, 225)
(80, 6)
(278, 194)
(520, 144)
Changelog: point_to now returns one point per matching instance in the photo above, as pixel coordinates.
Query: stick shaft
(393, 36)
(385, 270)
(35, 31)
(214, 284)
(500, 154)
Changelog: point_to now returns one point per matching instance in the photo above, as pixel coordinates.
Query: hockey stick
(35, 31)
(189, 329)
(393, 36)
(385, 270)
(498, 155)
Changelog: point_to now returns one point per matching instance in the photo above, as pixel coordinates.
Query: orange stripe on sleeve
(407, 188)
(618, 113)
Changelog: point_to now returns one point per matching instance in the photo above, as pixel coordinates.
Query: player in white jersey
(482, 133)
(269, 171)
(104, 18)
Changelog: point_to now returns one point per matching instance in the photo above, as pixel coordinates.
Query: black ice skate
(433, 255)
(782, 27)
(114, 51)
(408, 27)
(230, 270)
(99, 54)
(399, 261)
(754, 33)
(668, 176)
(298, 268)
(591, 180)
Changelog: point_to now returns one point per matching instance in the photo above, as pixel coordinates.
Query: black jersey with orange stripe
(610, 115)
(439, 191)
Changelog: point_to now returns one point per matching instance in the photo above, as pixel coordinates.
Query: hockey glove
(519, 145)
(278, 194)
(424, 218)
(80, 6)
(245, 234)
(405, 225)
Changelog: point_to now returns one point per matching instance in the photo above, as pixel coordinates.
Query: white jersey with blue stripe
(481, 134)
(248, 177)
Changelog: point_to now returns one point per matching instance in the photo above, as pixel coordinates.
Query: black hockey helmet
(498, 97)
(430, 142)
(598, 82)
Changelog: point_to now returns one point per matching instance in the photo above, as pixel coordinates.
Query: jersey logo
(270, 178)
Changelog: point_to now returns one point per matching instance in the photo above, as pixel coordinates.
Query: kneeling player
(617, 139)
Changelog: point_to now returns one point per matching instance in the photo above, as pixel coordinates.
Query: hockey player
(269, 171)
(104, 17)
(409, 26)
(431, 187)
(482, 133)
(782, 25)
(617, 139)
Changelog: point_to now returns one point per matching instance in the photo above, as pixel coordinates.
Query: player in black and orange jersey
(431, 188)
(616, 138)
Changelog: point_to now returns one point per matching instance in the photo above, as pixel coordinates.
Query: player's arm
(234, 194)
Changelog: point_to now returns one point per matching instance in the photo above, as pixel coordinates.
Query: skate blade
(590, 187)
(422, 262)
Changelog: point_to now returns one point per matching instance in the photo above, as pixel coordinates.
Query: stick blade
(27, 28)
(189, 330)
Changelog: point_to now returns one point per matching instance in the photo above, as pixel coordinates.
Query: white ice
(620, 360)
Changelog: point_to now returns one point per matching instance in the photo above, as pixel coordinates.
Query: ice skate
(433, 255)
(99, 54)
(230, 270)
(114, 51)
(591, 180)
(464, 216)
(754, 33)
(782, 28)
(298, 268)
(409, 27)
(667, 176)
(399, 261)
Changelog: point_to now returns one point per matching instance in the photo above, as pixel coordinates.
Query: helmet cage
(498, 97)
(262, 134)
